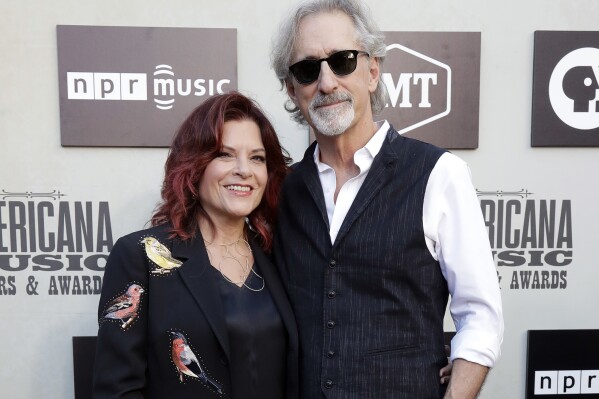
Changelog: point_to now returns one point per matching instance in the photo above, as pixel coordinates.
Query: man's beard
(333, 121)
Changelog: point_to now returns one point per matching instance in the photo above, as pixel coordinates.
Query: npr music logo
(574, 89)
(566, 382)
(134, 86)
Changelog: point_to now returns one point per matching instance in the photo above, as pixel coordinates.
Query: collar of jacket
(383, 169)
(207, 295)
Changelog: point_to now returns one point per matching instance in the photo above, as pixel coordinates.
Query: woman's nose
(242, 168)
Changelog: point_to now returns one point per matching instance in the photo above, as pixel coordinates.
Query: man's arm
(459, 239)
(466, 380)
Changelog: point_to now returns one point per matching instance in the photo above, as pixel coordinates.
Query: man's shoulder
(303, 165)
(412, 152)
(398, 141)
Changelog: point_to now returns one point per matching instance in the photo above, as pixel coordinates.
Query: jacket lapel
(277, 292)
(306, 168)
(193, 272)
(381, 172)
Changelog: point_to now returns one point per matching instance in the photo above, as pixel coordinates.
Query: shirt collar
(365, 155)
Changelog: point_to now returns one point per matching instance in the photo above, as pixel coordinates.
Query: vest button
(332, 263)
(330, 354)
(328, 384)
(330, 324)
(331, 294)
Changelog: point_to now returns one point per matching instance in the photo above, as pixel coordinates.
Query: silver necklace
(243, 250)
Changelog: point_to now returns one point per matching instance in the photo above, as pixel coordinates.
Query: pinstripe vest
(370, 307)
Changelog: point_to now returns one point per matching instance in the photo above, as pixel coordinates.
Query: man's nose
(327, 80)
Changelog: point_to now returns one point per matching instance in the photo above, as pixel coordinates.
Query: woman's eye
(224, 154)
(259, 158)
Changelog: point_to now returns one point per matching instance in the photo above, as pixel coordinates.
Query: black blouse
(257, 337)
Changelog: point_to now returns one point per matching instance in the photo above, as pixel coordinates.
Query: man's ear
(290, 89)
(374, 74)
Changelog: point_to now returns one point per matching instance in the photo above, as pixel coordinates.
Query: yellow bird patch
(160, 256)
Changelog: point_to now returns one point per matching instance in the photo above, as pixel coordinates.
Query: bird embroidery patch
(187, 363)
(125, 307)
(159, 254)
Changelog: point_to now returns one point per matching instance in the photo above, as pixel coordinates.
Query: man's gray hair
(369, 37)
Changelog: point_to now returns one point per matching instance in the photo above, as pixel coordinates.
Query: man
(376, 229)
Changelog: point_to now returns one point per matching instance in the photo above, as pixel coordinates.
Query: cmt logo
(574, 89)
(134, 86)
(427, 90)
(566, 382)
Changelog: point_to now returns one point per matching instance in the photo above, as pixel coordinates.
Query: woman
(192, 307)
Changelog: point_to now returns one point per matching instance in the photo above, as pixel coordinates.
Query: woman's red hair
(197, 142)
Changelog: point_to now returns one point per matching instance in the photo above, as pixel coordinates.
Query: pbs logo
(574, 89)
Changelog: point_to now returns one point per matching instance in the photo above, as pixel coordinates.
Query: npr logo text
(107, 86)
(566, 382)
(134, 86)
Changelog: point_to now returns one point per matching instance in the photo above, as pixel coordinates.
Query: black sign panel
(562, 364)
(565, 109)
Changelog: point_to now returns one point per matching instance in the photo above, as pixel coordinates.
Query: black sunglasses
(341, 63)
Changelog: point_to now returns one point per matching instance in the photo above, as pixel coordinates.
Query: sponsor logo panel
(565, 109)
(130, 86)
(562, 364)
(433, 80)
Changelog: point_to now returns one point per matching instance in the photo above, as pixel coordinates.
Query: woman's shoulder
(162, 231)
